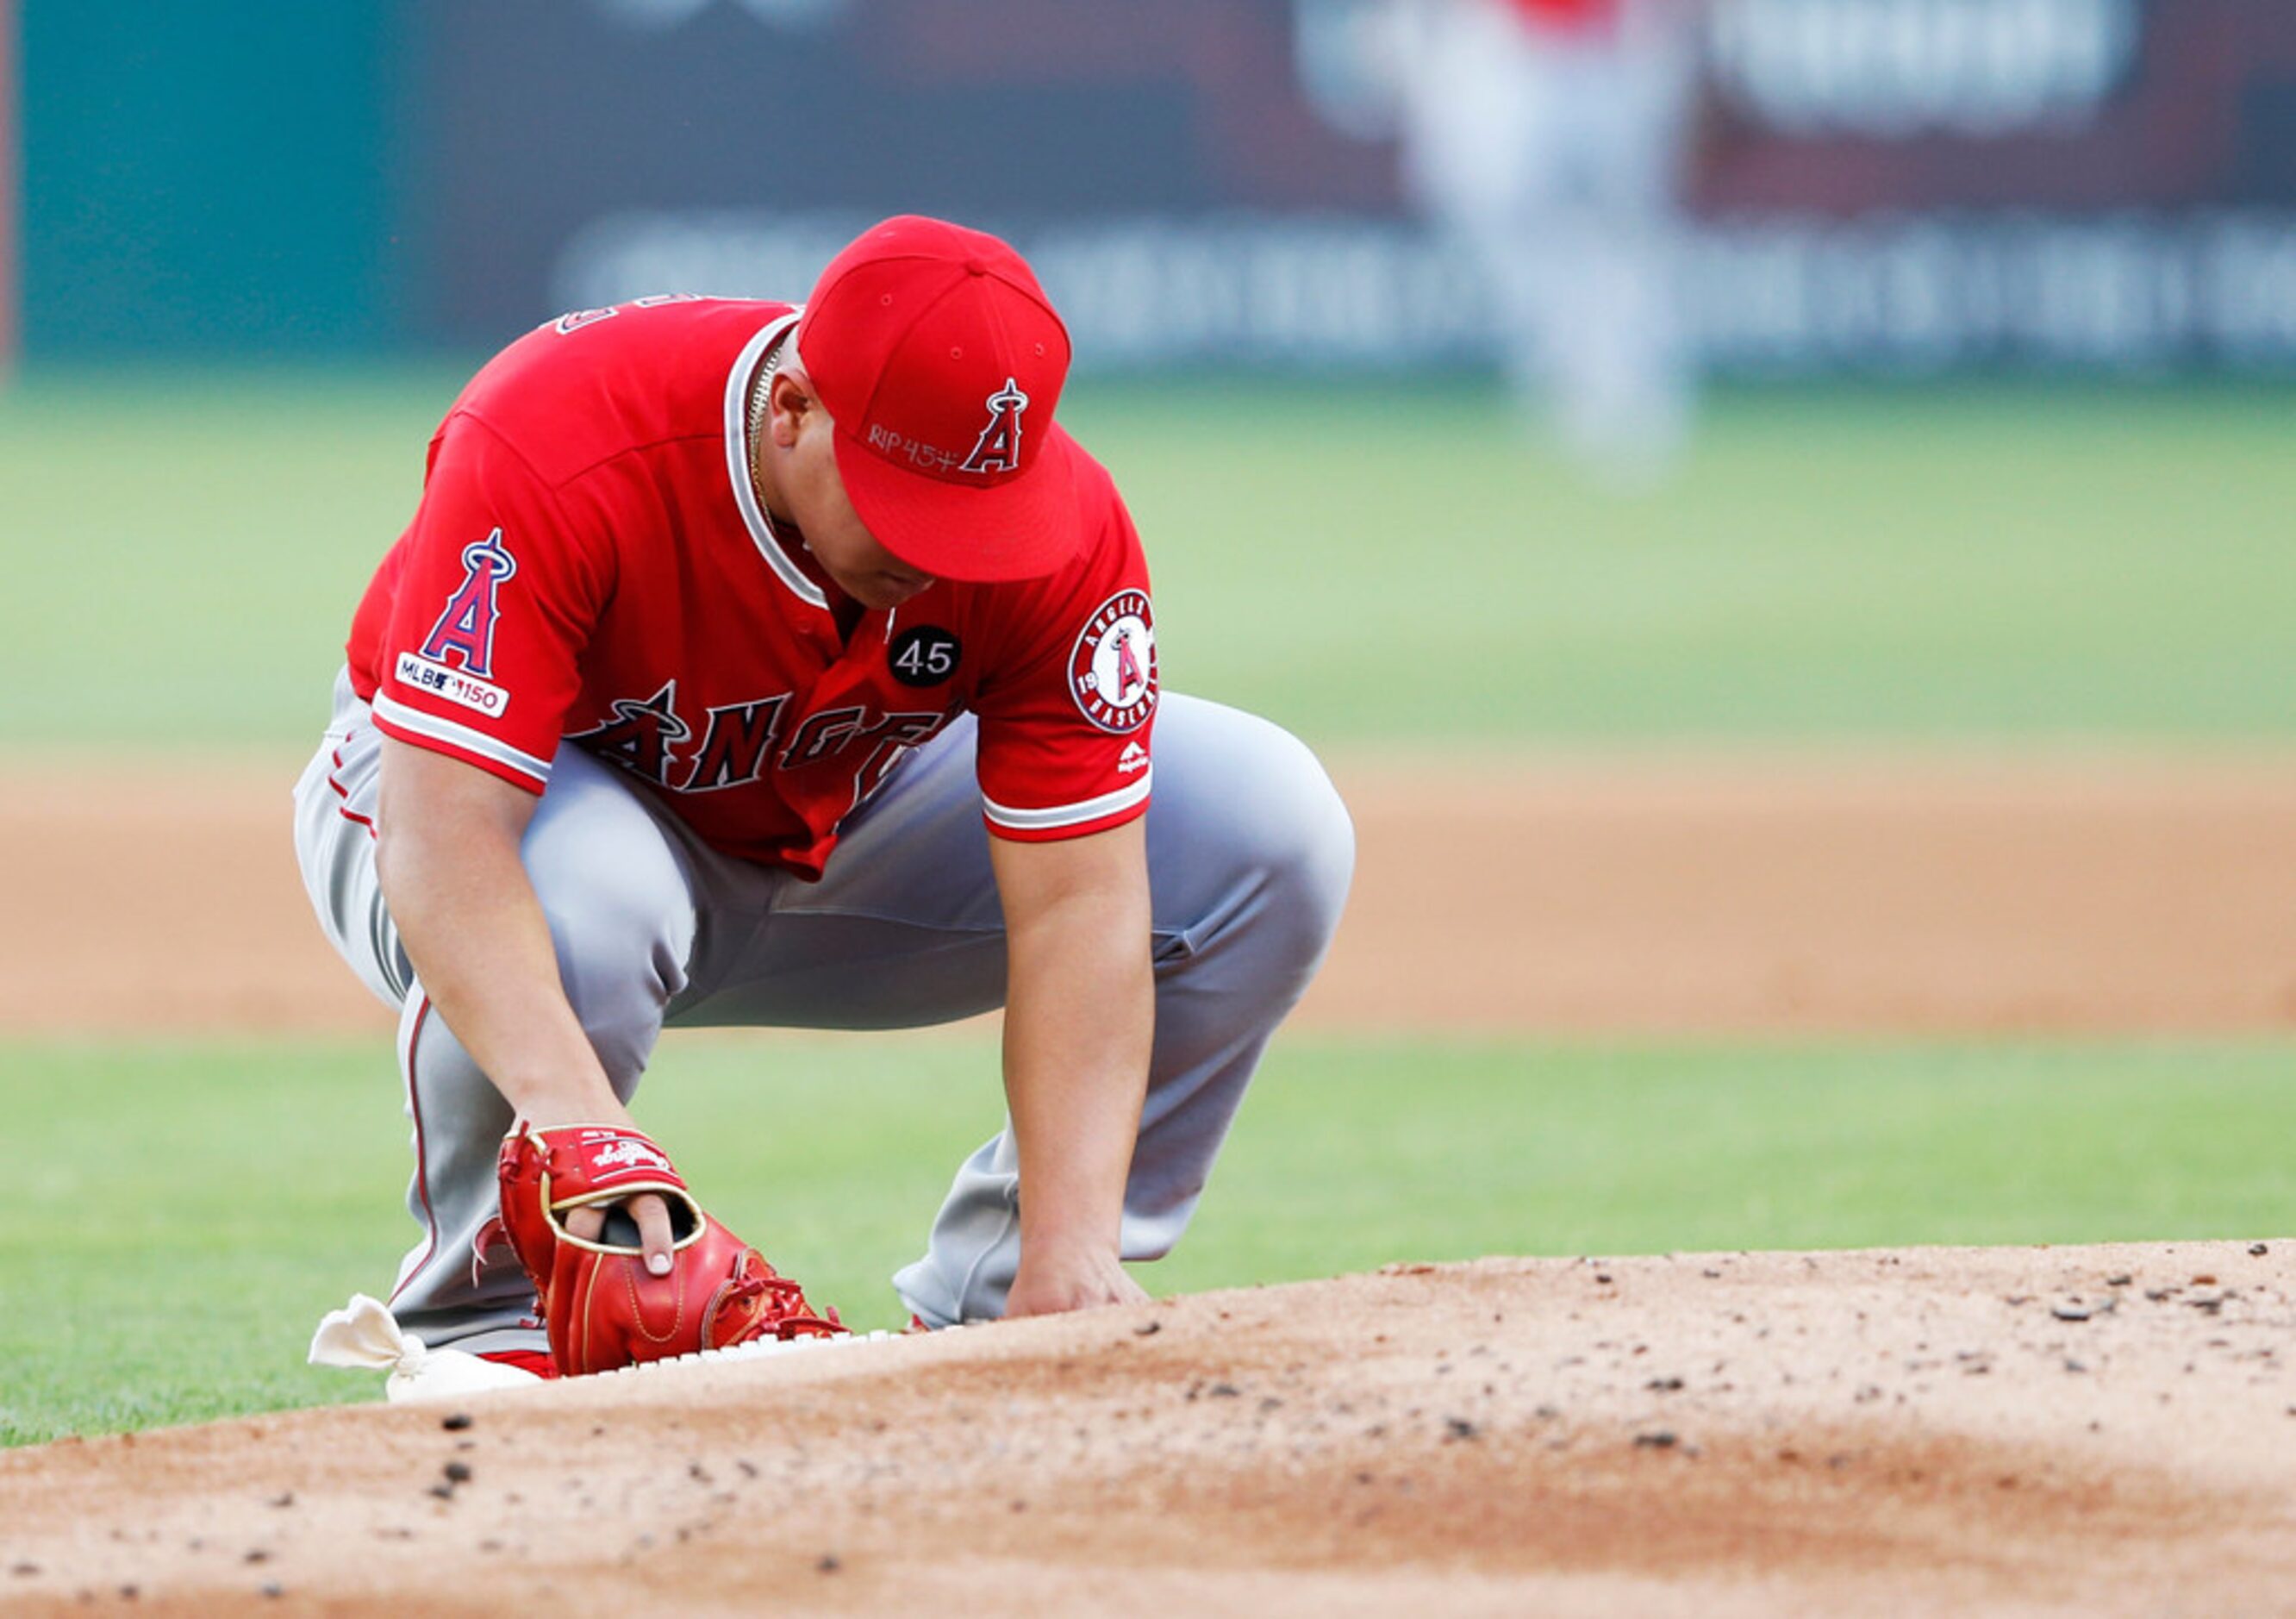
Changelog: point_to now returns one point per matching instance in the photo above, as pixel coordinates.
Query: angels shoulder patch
(1112, 667)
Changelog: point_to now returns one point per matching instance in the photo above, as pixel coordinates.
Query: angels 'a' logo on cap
(998, 447)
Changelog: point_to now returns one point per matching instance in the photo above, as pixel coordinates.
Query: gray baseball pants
(1249, 852)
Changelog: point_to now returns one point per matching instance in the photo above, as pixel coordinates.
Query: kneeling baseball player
(759, 665)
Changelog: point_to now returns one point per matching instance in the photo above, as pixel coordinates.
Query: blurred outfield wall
(214, 179)
(1894, 185)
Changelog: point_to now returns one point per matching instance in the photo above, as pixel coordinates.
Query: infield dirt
(2091, 1431)
(1798, 894)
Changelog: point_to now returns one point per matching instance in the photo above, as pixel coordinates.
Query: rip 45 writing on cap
(940, 360)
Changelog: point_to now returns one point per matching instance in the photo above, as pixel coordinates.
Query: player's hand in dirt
(1057, 1277)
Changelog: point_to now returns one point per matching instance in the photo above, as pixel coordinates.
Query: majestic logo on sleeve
(998, 447)
(467, 627)
(1112, 668)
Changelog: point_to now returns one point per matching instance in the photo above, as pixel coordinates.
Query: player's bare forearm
(1079, 1015)
(448, 857)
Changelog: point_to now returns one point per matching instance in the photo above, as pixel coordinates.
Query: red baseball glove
(601, 1307)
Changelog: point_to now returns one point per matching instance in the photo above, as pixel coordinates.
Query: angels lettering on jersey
(739, 741)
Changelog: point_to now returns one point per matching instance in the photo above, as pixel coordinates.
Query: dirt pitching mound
(2079, 1430)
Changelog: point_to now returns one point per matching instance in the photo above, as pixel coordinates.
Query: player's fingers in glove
(653, 1217)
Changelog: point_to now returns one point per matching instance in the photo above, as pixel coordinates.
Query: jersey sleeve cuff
(1074, 820)
(496, 756)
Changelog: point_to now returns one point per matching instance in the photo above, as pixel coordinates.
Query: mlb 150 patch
(421, 675)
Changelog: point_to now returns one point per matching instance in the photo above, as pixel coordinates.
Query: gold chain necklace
(762, 394)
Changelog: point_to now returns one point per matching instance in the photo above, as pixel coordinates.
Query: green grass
(178, 1220)
(1829, 566)
(1367, 563)
(1370, 563)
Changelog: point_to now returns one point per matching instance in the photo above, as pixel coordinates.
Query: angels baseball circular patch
(1112, 668)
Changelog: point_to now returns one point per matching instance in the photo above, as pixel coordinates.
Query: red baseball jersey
(590, 566)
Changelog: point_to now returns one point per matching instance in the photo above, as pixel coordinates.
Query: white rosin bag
(364, 1337)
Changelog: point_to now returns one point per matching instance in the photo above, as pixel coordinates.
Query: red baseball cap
(940, 360)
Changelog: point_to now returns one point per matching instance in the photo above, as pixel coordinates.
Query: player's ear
(789, 403)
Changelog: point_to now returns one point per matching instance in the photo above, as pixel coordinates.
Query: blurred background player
(1547, 138)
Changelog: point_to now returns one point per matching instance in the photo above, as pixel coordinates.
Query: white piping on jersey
(1069, 815)
(737, 465)
(461, 736)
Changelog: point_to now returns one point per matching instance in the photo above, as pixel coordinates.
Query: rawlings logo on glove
(631, 1152)
(601, 1306)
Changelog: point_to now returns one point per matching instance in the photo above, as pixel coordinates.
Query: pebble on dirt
(454, 1422)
